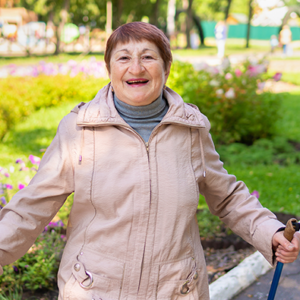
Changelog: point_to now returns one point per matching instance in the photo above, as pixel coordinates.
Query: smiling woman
(137, 72)
(136, 158)
(138, 66)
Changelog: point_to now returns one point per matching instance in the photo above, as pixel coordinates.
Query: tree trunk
(249, 24)
(119, 13)
(155, 13)
(63, 20)
(227, 9)
(189, 18)
(197, 21)
(171, 18)
(199, 28)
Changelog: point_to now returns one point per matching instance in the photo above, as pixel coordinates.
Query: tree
(294, 6)
(155, 13)
(189, 21)
(250, 13)
(227, 9)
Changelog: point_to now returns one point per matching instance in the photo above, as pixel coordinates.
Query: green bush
(21, 96)
(230, 98)
(38, 267)
(263, 151)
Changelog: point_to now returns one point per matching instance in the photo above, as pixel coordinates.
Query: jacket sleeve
(32, 208)
(231, 201)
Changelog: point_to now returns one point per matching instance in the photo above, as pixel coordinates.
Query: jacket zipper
(147, 149)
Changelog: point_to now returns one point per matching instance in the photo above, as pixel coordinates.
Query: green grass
(293, 78)
(35, 59)
(278, 186)
(212, 50)
(289, 125)
(33, 134)
(278, 56)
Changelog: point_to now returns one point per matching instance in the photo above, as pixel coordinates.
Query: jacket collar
(101, 111)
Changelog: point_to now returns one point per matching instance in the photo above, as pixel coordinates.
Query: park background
(52, 59)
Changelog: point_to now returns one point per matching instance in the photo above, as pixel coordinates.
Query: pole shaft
(275, 281)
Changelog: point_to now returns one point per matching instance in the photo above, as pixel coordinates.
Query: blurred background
(74, 26)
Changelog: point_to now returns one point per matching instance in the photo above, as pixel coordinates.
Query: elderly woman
(136, 158)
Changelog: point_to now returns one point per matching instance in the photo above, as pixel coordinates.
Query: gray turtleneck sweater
(143, 119)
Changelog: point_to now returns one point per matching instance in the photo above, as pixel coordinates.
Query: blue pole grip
(275, 281)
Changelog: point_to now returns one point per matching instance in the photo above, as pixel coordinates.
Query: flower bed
(37, 269)
(232, 97)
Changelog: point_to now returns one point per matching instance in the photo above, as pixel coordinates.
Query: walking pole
(291, 227)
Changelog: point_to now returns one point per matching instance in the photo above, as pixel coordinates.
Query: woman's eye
(148, 57)
(123, 58)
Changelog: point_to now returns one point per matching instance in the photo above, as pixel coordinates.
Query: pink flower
(6, 175)
(21, 186)
(238, 72)
(228, 76)
(255, 193)
(230, 94)
(219, 92)
(9, 186)
(261, 85)
(34, 159)
(277, 76)
(255, 70)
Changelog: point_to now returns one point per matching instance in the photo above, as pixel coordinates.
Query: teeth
(137, 81)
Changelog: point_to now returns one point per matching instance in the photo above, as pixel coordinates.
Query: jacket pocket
(99, 279)
(178, 280)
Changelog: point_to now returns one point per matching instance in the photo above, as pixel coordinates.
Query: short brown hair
(138, 31)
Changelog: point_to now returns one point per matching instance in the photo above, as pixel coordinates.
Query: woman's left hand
(285, 251)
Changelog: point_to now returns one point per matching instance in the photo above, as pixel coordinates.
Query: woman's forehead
(137, 46)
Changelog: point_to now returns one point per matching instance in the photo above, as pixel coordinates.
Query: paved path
(288, 288)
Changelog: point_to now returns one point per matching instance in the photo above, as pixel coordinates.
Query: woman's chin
(139, 99)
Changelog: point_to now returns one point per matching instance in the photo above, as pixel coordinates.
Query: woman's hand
(285, 251)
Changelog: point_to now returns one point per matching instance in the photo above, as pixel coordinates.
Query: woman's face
(137, 72)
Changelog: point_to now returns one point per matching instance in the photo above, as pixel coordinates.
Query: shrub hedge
(231, 97)
(20, 96)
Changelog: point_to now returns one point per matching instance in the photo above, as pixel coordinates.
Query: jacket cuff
(1, 270)
(262, 239)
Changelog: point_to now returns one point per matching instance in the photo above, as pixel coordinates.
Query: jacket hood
(101, 111)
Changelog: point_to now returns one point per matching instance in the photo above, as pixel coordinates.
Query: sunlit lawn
(35, 59)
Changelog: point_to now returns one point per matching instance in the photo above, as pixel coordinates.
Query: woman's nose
(136, 66)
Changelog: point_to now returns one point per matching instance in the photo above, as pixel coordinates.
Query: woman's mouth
(137, 82)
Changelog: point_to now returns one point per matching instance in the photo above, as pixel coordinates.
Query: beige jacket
(132, 232)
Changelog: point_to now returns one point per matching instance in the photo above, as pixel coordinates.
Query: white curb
(236, 280)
